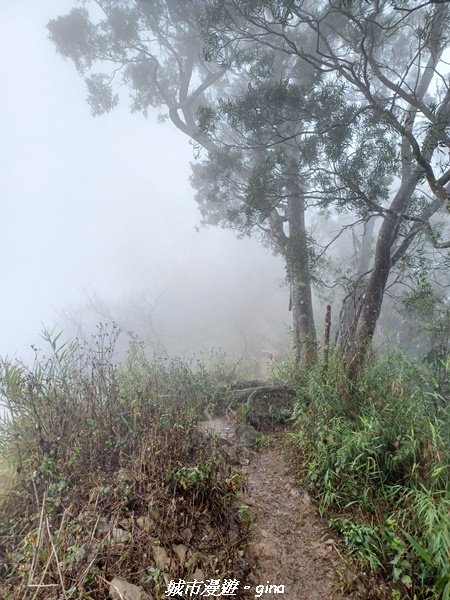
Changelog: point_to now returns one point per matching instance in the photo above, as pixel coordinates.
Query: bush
(382, 474)
(110, 462)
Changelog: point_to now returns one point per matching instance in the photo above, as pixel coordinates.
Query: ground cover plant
(381, 472)
(113, 476)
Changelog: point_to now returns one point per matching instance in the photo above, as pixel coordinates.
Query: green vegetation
(382, 472)
(263, 441)
(113, 475)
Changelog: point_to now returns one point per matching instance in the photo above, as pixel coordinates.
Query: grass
(113, 475)
(111, 468)
(382, 477)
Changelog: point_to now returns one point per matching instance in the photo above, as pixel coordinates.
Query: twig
(40, 584)
(38, 542)
(56, 558)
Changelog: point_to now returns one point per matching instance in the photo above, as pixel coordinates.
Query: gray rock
(181, 551)
(154, 512)
(124, 476)
(143, 523)
(161, 558)
(268, 406)
(198, 575)
(247, 434)
(119, 536)
(119, 589)
(186, 534)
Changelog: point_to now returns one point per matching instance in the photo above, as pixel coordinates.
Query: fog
(100, 219)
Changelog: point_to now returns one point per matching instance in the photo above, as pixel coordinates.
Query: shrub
(110, 458)
(382, 473)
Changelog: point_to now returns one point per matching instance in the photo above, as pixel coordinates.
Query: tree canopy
(292, 107)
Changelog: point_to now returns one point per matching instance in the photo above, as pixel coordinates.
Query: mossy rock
(269, 407)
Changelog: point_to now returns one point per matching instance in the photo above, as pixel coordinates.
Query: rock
(198, 575)
(124, 476)
(103, 526)
(269, 406)
(247, 434)
(306, 498)
(181, 551)
(161, 558)
(143, 523)
(119, 535)
(186, 535)
(124, 524)
(192, 561)
(119, 589)
(154, 512)
(232, 456)
(329, 542)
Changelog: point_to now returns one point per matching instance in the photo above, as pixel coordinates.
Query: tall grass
(106, 451)
(382, 475)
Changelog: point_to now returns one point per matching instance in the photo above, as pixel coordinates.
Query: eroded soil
(290, 545)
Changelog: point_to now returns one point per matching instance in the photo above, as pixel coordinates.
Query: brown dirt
(290, 545)
(294, 546)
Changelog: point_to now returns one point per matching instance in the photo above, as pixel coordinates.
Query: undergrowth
(113, 476)
(382, 475)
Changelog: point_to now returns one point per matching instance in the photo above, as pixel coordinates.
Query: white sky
(102, 204)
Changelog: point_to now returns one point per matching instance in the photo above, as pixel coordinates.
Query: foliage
(107, 455)
(382, 473)
(263, 441)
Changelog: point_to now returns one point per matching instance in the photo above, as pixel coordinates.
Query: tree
(388, 54)
(270, 154)
(249, 186)
(155, 49)
(150, 47)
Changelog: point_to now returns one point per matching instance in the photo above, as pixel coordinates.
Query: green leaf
(421, 552)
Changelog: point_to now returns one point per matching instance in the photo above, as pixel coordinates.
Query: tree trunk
(348, 316)
(359, 341)
(298, 270)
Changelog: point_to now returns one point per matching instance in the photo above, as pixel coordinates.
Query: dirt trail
(291, 545)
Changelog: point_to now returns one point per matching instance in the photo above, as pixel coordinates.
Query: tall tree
(150, 47)
(389, 56)
(155, 49)
(249, 185)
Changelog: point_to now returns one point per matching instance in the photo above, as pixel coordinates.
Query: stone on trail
(119, 535)
(269, 406)
(161, 558)
(198, 575)
(143, 523)
(181, 551)
(119, 589)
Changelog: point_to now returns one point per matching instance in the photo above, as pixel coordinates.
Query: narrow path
(290, 545)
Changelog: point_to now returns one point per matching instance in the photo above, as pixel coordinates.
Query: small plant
(188, 477)
(361, 540)
(281, 415)
(153, 576)
(245, 514)
(384, 469)
(263, 441)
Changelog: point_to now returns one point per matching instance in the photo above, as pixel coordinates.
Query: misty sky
(104, 206)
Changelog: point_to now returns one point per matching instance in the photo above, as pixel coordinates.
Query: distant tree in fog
(314, 105)
(388, 56)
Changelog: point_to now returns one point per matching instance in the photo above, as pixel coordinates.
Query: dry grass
(113, 468)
